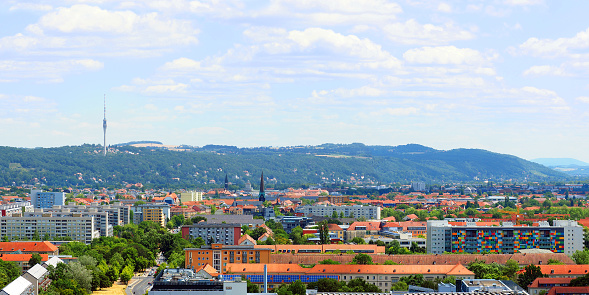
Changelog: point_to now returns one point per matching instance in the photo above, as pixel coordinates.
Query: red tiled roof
(27, 247)
(21, 257)
(580, 269)
(549, 281)
(568, 290)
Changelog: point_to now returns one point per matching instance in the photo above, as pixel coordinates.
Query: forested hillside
(206, 166)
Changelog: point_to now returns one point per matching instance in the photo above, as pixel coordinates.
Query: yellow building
(154, 214)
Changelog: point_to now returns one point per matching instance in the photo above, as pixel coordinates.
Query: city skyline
(509, 76)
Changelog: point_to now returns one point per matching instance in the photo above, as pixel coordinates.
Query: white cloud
(444, 7)
(555, 47)
(84, 29)
(584, 99)
(537, 96)
(31, 7)
(412, 32)
(444, 55)
(545, 71)
(523, 2)
(50, 71)
(394, 112)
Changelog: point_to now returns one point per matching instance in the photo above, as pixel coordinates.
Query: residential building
(327, 248)
(29, 247)
(188, 282)
(101, 218)
(38, 276)
(40, 199)
(383, 276)
(290, 222)
(569, 291)
(22, 260)
(16, 207)
(545, 284)
(240, 219)
(76, 226)
(20, 286)
(564, 236)
(564, 271)
(333, 199)
(223, 233)
(219, 255)
(368, 212)
(191, 196)
(156, 212)
(418, 186)
(155, 215)
(187, 213)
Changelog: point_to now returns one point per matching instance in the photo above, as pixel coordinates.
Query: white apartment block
(368, 212)
(77, 226)
(16, 207)
(191, 196)
(564, 236)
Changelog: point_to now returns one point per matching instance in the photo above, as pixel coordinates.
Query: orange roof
(27, 246)
(580, 269)
(333, 226)
(367, 224)
(21, 257)
(244, 238)
(568, 290)
(549, 281)
(209, 269)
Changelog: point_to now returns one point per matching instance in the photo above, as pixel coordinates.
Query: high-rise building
(40, 199)
(563, 236)
(368, 212)
(104, 124)
(224, 233)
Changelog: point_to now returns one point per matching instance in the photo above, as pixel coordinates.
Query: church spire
(262, 196)
(226, 182)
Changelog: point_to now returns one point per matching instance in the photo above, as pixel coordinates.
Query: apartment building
(40, 199)
(77, 226)
(101, 218)
(564, 236)
(155, 215)
(368, 212)
(156, 212)
(219, 255)
(218, 233)
(191, 196)
(16, 207)
(29, 247)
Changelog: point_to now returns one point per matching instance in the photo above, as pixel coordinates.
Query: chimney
(265, 278)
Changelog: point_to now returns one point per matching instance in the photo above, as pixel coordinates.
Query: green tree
(358, 241)
(127, 274)
(581, 257)
(400, 286)
(252, 288)
(362, 259)
(325, 285)
(328, 261)
(35, 259)
(531, 272)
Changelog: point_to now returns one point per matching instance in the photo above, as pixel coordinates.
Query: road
(139, 285)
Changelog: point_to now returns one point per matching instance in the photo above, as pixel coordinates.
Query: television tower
(104, 125)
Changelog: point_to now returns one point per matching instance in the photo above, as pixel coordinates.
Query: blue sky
(510, 76)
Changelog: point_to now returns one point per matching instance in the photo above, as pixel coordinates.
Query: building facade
(213, 233)
(40, 199)
(564, 236)
(219, 255)
(77, 226)
(368, 212)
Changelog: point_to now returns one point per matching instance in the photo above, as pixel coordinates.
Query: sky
(509, 76)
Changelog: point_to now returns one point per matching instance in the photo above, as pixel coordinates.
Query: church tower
(226, 182)
(262, 196)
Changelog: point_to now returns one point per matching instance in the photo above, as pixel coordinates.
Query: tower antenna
(104, 125)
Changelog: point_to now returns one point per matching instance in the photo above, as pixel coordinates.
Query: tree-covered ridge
(207, 166)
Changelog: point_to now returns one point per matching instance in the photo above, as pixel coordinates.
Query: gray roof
(52, 261)
(241, 219)
(37, 271)
(17, 286)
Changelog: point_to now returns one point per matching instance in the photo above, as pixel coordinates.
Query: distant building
(290, 222)
(262, 195)
(16, 207)
(221, 233)
(564, 236)
(333, 199)
(158, 212)
(191, 196)
(368, 212)
(418, 186)
(40, 199)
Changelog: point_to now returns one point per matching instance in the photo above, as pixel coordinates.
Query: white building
(191, 196)
(368, 212)
(418, 186)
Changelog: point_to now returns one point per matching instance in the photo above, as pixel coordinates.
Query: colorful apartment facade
(564, 236)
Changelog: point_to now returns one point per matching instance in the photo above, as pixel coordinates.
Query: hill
(559, 162)
(206, 166)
